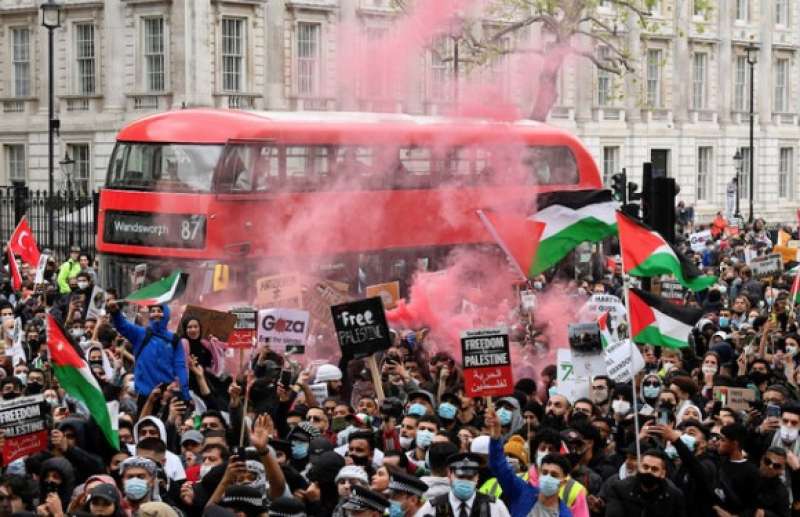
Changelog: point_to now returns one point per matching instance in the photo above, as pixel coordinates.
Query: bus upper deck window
(267, 168)
(415, 161)
(550, 165)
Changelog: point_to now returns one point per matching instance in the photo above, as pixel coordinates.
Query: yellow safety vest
(568, 492)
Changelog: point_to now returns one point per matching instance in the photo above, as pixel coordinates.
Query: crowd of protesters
(196, 439)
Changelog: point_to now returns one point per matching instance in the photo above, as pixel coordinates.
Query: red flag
(23, 244)
(13, 271)
(518, 236)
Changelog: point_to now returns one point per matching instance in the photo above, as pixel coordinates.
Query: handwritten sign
(737, 399)
(213, 323)
(244, 330)
(361, 327)
(769, 265)
(487, 363)
(389, 292)
(279, 291)
(568, 383)
(287, 328)
(24, 422)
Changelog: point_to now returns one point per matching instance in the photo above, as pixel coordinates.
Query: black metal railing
(73, 216)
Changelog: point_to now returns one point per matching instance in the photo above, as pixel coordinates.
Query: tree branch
(549, 21)
(603, 25)
(591, 57)
(605, 41)
(641, 13)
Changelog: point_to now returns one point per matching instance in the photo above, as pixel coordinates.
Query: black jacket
(626, 499)
(773, 498)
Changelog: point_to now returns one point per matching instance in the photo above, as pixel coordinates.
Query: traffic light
(632, 194)
(618, 186)
(662, 207)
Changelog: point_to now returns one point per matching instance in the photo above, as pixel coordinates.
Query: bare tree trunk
(547, 93)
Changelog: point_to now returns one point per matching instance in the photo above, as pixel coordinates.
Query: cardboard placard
(96, 306)
(361, 327)
(389, 292)
(623, 360)
(287, 328)
(769, 265)
(568, 383)
(737, 399)
(279, 291)
(244, 330)
(25, 425)
(487, 363)
(698, 240)
(213, 323)
(527, 299)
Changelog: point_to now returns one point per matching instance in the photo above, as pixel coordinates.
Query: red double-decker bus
(355, 197)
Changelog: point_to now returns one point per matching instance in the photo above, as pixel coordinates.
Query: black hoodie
(67, 473)
(86, 464)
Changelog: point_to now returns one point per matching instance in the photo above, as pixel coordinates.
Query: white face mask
(539, 457)
(788, 434)
(406, 441)
(791, 350)
(709, 368)
(621, 407)
(83, 285)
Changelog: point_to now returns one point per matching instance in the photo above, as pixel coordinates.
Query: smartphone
(286, 378)
(663, 416)
(773, 410)
(239, 453)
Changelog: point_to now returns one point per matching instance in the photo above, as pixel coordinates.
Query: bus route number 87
(190, 227)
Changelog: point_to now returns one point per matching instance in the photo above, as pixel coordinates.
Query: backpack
(149, 335)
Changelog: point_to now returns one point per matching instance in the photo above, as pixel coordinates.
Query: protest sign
(587, 351)
(697, 240)
(620, 357)
(138, 276)
(527, 300)
(389, 292)
(568, 383)
(279, 291)
(287, 328)
(487, 363)
(600, 304)
(672, 290)
(96, 306)
(320, 392)
(39, 277)
(244, 330)
(23, 420)
(361, 327)
(737, 399)
(769, 265)
(212, 323)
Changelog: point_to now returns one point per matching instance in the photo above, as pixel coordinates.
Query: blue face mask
(463, 489)
(689, 441)
(299, 450)
(136, 489)
(651, 392)
(395, 510)
(504, 415)
(549, 485)
(724, 322)
(447, 411)
(424, 439)
(552, 391)
(417, 409)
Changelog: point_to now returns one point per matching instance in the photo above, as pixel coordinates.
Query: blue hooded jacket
(159, 361)
(522, 496)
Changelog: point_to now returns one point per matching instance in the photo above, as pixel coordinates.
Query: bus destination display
(155, 230)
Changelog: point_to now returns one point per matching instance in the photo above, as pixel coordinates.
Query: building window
(703, 172)
(697, 8)
(439, 70)
(742, 10)
(785, 168)
(654, 57)
(603, 78)
(21, 59)
(154, 54)
(15, 162)
(85, 55)
(744, 180)
(233, 45)
(376, 85)
(699, 80)
(81, 171)
(610, 163)
(781, 85)
(782, 12)
(308, 59)
(740, 84)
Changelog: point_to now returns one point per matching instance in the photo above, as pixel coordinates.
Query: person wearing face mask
(300, 438)
(696, 472)
(509, 416)
(438, 481)
(138, 477)
(463, 499)
(448, 412)
(405, 494)
(650, 388)
(648, 492)
(427, 427)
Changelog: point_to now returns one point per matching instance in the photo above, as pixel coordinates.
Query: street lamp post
(67, 165)
(737, 160)
(51, 19)
(752, 58)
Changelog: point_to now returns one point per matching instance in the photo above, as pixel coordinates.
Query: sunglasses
(652, 383)
(774, 465)
(715, 437)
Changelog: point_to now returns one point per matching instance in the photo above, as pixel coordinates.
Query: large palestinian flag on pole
(75, 377)
(518, 236)
(645, 253)
(569, 219)
(656, 321)
(162, 291)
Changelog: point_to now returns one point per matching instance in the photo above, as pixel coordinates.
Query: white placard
(618, 357)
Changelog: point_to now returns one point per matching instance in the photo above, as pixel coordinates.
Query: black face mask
(33, 388)
(50, 487)
(553, 421)
(759, 377)
(10, 396)
(649, 481)
(361, 461)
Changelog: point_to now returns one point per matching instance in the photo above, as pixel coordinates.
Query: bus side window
(415, 168)
(267, 168)
(355, 166)
(550, 166)
(234, 173)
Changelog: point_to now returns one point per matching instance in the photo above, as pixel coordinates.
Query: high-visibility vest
(492, 486)
(568, 492)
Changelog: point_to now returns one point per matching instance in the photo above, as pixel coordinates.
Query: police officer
(463, 500)
(406, 493)
(364, 502)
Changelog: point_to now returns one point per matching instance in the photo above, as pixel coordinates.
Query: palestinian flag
(75, 377)
(162, 291)
(646, 253)
(569, 219)
(517, 236)
(606, 338)
(656, 321)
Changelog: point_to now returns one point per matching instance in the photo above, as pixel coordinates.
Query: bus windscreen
(163, 167)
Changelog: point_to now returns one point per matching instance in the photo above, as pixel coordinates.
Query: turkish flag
(23, 244)
(13, 271)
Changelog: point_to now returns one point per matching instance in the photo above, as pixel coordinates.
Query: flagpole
(500, 242)
(626, 289)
